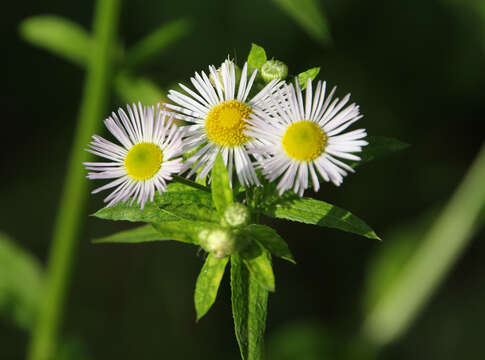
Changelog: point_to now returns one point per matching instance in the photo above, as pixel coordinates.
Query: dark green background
(415, 67)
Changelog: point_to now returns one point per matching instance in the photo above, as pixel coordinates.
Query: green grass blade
(208, 283)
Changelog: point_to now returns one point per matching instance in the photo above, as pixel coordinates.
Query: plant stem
(65, 238)
(191, 183)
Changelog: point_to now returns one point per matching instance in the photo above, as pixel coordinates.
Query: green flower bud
(274, 69)
(236, 215)
(237, 72)
(219, 242)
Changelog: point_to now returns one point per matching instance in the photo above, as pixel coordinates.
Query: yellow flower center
(225, 123)
(304, 140)
(143, 161)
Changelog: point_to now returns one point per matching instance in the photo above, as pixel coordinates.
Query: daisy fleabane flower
(150, 150)
(218, 115)
(303, 139)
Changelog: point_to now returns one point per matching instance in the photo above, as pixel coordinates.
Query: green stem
(438, 251)
(70, 214)
(191, 183)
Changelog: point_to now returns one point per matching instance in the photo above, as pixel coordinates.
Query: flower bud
(274, 69)
(236, 215)
(219, 242)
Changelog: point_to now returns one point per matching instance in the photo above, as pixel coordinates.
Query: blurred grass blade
(21, 282)
(309, 16)
(60, 36)
(140, 234)
(133, 89)
(208, 283)
(249, 309)
(399, 305)
(157, 42)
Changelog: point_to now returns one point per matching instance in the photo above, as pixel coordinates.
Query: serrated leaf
(208, 283)
(316, 212)
(305, 75)
(140, 234)
(270, 239)
(222, 194)
(379, 146)
(172, 205)
(257, 57)
(21, 284)
(309, 15)
(249, 309)
(157, 42)
(258, 261)
(58, 35)
(184, 230)
(133, 89)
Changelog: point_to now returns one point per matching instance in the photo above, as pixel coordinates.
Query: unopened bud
(236, 215)
(219, 242)
(274, 69)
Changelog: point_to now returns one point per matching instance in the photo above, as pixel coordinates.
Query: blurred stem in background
(408, 291)
(96, 90)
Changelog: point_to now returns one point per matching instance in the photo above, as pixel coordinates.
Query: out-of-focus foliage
(21, 281)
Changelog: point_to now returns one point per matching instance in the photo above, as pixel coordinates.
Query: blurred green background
(415, 67)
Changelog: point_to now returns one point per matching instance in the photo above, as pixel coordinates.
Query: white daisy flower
(219, 116)
(304, 138)
(146, 159)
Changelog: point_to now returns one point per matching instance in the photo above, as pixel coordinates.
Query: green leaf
(208, 284)
(258, 261)
(184, 230)
(133, 89)
(222, 194)
(257, 57)
(316, 212)
(309, 74)
(157, 42)
(124, 211)
(270, 239)
(249, 309)
(21, 284)
(60, 36)
(172, 205)
(140, 234)
(309, 15)
(379, 146)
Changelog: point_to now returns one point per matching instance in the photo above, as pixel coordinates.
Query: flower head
(301, 141)
(219, 117)
(145, 160)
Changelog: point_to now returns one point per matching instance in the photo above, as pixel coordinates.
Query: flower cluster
(279, 132)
